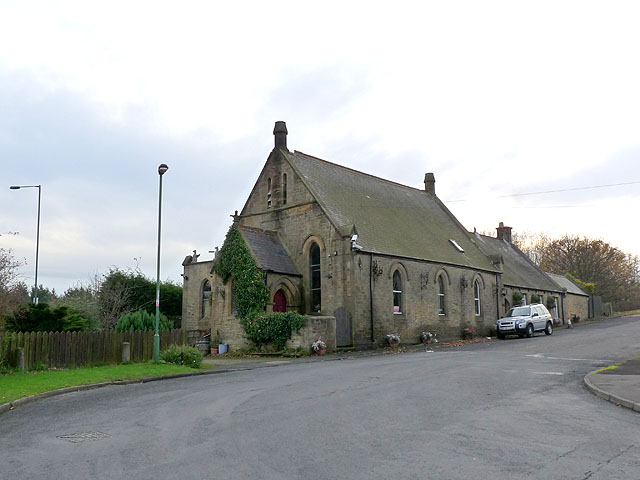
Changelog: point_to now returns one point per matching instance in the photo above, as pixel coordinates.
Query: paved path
(620, 385)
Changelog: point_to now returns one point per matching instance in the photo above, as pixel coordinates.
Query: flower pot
(214, 350)
(394, 344)
(321, 351)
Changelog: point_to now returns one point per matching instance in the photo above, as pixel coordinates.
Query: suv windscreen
(519, 311)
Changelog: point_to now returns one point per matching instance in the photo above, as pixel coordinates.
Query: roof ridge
(358, 171)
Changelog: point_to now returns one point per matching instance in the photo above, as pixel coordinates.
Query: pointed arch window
(441, 300)
(397, 292)
(314, 271)
(284, 188)
(269, 192)
(206, 296)
(476, 297)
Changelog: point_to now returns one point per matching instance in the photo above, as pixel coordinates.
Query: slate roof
(389, 218)
(268, 251)
(519, 270)
(565, 282)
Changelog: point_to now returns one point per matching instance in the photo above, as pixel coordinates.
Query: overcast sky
(495, 98)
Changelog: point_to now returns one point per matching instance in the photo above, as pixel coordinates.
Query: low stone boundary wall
(315, 327)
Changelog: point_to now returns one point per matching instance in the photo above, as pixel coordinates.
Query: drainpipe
(373, 338)
(562, 306)
(498, 292)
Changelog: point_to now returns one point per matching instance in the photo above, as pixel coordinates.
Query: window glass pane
(284, 188)
(316, 279)
(396, 281)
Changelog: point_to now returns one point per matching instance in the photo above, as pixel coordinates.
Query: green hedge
(182, 355)
(142, 320)
(276, 328)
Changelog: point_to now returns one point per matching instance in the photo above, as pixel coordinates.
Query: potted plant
(427, 337)
(468, 333)
(517, 298)
(393, 340)
(319, 346)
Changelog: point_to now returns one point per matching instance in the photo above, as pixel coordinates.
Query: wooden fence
(76, 349)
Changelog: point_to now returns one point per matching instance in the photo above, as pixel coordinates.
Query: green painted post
(156, 338)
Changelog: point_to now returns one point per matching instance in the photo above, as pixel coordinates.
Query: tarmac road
(501, 410)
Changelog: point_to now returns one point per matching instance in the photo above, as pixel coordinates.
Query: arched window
(284, 188)
(314, 271)
(441, 304)
(269, 192)
(206, 296)
(476, 296)
(397, 292)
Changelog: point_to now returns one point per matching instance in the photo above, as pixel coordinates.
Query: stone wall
(192, 315)
(315, 327)
(576, 305)
(419, 305)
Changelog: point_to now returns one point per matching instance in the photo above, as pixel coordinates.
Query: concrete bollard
(126, 352)
(20, 359)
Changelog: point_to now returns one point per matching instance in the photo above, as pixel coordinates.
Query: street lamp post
(39, 187)
(162, 168)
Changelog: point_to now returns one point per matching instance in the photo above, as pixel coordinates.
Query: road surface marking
(541, 355)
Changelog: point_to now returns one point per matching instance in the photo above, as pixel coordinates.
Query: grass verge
(16, 385)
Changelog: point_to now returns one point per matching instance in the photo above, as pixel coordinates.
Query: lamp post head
(162, 168)
(14, 187)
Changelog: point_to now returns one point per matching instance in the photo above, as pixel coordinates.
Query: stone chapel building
(360, 256)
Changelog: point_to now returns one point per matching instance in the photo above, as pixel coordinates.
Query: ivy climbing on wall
(235, 261)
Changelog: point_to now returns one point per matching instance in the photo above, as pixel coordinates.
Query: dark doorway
(279, 302)
(343, 327)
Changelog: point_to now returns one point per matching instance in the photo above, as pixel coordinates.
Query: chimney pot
(280, 133)
(430, 183)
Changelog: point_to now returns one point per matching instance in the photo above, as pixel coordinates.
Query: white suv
(524, 321)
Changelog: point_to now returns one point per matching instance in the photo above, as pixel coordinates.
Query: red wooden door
(279, 302)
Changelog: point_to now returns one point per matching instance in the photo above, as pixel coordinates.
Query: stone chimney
(430, 183)
(280, 133)
(504, 233)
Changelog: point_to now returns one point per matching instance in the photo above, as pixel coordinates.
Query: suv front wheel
(529, 330)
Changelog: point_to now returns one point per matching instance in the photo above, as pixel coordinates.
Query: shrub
(142, 320)
(551, 302)
(182, 355)
(266, 328)
(468, 333)
(236, 263)
(535, 298)
(43, 318)
(517, 298)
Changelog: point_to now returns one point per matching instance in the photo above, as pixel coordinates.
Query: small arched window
(397, 292)
(476, 296)
(206, 297)
(441, 303)
(269, 192)
(314, 271)
(284, 188)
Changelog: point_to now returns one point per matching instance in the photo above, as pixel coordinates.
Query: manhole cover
(83, 436)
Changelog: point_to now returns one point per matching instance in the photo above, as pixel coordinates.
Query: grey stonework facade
(375, 256)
